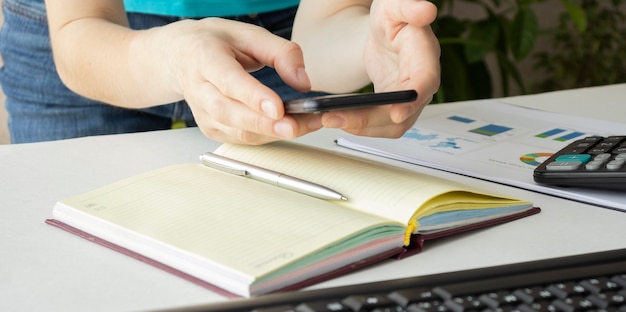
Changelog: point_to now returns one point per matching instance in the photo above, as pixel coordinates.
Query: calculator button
(576, 150)
(592, 139)
(606, 144)
(574, 157)
(599, 150)
(620, 150)
(615, 164)
(594, 164)
(603, 157)
(621, 157)
(564, 165)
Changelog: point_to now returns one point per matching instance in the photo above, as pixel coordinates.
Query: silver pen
(268, 176)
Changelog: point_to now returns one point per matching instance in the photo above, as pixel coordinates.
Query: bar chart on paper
(483, 140)
(493, 141)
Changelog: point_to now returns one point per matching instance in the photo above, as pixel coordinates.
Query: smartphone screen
(327, 103)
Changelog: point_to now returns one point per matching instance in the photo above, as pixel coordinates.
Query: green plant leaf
(461, 80)
(576, 14)
(508, 68)
(454, 75)
(485, 32)
(524, 32)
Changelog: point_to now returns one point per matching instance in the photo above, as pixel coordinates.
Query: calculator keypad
(590, 162)
(592, 153)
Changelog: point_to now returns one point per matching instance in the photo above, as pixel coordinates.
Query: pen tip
(344, 198)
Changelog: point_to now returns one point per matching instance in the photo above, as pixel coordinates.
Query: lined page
(250, 226)
(372, 187)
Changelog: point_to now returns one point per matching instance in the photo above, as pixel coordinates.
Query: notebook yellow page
(388, 191)
(219, 227)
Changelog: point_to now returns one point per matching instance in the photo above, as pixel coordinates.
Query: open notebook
(247, 238)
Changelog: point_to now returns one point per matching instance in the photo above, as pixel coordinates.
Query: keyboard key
(465, 303)
(597, 285)
(500, 299)
(369, 302)
(427, 306)
(563, 290)
(573, 304)
(323, 305)
(533, 294)
(406, 297)
(620, 280)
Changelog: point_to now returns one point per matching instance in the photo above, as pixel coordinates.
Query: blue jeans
(41, 108)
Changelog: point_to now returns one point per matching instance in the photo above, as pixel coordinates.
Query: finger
(410, 72)
(307, 123)
(223, 133)
(384, 129)
(415, 12)
(215, 111)
(419, 13)
(234, 80)
(231, 79)
(355, 119)
(283, 55)
(241, 124)
(379, 119)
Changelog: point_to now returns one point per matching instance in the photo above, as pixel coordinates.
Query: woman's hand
(212, 59)
(349, 43)
(401, 53)
(206, 62)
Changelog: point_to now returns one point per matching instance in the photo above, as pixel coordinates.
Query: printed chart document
(248, 237)
(495, 141)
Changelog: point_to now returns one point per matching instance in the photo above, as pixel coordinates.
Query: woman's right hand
(210, 61)
(206, 62)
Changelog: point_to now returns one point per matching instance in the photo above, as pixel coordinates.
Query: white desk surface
(44, 268)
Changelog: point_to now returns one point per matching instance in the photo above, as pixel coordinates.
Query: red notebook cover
(416, 246)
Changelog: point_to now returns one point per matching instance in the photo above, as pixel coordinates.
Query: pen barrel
(293, 184)
(270, 177)
(307, 188)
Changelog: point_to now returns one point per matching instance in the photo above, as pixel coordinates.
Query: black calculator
(592, 162)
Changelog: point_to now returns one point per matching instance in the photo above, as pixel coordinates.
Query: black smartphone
(320, 104)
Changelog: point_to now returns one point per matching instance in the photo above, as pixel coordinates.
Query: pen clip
(220, 167)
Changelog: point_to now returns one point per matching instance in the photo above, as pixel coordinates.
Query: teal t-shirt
(206, 8)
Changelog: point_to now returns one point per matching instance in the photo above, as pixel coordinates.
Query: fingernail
(284, 129)
(269, 109)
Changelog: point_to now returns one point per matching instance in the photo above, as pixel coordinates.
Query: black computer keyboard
(590, 282)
